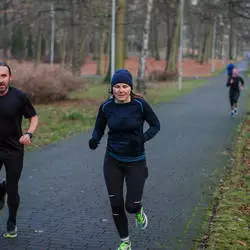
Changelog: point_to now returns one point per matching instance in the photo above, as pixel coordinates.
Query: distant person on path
(235, 84)
(125, 114)
(14, 105)
(230, 68)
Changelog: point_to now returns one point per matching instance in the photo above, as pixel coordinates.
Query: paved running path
(64, 199)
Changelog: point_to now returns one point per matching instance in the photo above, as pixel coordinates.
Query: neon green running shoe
(11, 231)
(125, 246)
(141, 220)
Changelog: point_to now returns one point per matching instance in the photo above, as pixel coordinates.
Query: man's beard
(4, 90)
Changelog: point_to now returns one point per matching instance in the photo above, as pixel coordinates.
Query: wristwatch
(30, 134)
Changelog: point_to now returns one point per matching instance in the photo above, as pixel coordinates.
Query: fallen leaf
(243, 243)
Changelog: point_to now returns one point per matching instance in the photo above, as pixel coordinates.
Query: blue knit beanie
(122, 76)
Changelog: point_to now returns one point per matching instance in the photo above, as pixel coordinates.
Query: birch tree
(141, 83)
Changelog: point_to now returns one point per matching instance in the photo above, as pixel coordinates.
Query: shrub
(45, 83)
(162, 76)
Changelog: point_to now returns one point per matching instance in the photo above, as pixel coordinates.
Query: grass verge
(230, 220)
(63, 119)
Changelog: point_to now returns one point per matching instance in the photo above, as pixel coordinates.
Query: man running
(14, 105)
(235, 83)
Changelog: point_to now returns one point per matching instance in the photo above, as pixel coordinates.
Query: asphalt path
(64, 199)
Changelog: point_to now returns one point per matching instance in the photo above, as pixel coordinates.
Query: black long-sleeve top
(234, 83)
(125, 122)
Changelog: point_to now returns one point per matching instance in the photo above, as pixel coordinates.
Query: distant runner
(235, 84)
(230, 68)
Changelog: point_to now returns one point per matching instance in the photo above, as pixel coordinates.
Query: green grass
(94, 91)
(61, 120)
(218, 71)
(155, 95)
(231, 228)
(161, 94)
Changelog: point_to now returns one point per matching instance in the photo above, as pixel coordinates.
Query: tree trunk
(44, 46)
(107, 78)
(154, 40)
(119, 40)
(107, 54)
(201, 40)
(171, 66)
(201, 43)
(169, 36)
(5, 38)
(193, 45)
(75, 29)
(126, 44)
(141, 82)
(38, 44)
(203, 49)
(69, 48)
(96, 43)
(100, 70)
(63, 49)
(30, 46)
(209, 40)
(230, 44)
(221, 49)
(82, 34)
(206, 46)
(157, 50)
(82, 49)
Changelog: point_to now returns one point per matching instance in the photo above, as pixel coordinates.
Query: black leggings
(234, 97)
(135, 174)
(13, 165)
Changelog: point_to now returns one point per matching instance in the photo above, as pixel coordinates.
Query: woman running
(125, 114)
